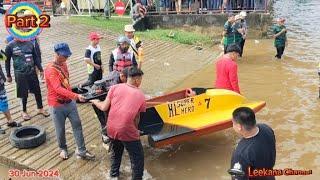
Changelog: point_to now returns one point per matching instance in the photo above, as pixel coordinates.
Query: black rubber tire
(36, 137)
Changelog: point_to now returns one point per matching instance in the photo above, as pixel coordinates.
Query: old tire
(27, 137)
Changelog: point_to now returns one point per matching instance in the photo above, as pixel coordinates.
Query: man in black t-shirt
(256, 150)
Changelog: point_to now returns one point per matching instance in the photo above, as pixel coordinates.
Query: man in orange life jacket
(120, 57)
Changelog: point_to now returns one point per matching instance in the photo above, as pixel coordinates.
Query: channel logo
(25, 21)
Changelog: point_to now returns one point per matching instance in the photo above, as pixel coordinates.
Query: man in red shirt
(125, 101)
(227, 69)
(62, 104)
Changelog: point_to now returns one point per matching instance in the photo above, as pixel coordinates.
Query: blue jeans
(136, 155)
(248, 4)
(259, 4)
(59, 116)
(165, 3)
(217, 4)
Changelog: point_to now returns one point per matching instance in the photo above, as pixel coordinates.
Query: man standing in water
(257, 148)
(227, 69)
(280, 37)
(125, 101)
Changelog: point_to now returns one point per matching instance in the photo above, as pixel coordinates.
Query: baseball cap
(233, 48)
(94, 35)
(62, 49)
(9, 38)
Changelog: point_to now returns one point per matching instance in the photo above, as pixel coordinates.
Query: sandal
(26, 117)
(44, 113)
(63, 155)
(13, 124)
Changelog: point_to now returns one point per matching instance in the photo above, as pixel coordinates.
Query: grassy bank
(115, 25)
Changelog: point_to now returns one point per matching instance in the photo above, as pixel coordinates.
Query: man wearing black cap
(25, 61)
(227, 69)
(257, 148)
(62, 104)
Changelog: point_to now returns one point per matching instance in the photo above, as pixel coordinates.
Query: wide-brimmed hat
(62, 49)
(129, 28)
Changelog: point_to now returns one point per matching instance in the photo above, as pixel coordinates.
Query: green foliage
(116, 25)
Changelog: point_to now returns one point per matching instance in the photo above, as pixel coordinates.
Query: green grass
(116, 25)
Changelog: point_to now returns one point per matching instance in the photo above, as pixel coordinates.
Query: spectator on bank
(259, 5)
(178, 6)
(164, 5)
(138, 12)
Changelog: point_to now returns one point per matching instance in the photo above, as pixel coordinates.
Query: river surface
(290, 88)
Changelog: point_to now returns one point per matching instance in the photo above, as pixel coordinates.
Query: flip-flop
(63, 155)
(13, 124)
(26, 117)
(44, 113)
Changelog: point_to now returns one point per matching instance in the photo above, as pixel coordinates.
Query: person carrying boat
(113, 78)
(121, 57)
(257, 148)
(135, 43)
(62, 104)
(280, 37)
(227, 69)
(125, 101)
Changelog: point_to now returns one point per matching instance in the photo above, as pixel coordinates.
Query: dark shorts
(27, 83)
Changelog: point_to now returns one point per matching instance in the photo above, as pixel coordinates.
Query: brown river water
(290, 88)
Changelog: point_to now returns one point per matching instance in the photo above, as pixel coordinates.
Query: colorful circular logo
(22, 21)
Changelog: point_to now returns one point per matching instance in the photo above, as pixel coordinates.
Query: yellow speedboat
(182, 115)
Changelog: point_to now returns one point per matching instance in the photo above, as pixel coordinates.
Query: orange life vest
(121, 60)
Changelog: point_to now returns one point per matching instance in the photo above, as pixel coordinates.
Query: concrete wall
(254, 20)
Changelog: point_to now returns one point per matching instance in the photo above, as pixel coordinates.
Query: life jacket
(121, 60)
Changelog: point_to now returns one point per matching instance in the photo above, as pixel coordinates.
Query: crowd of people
(220, 5)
